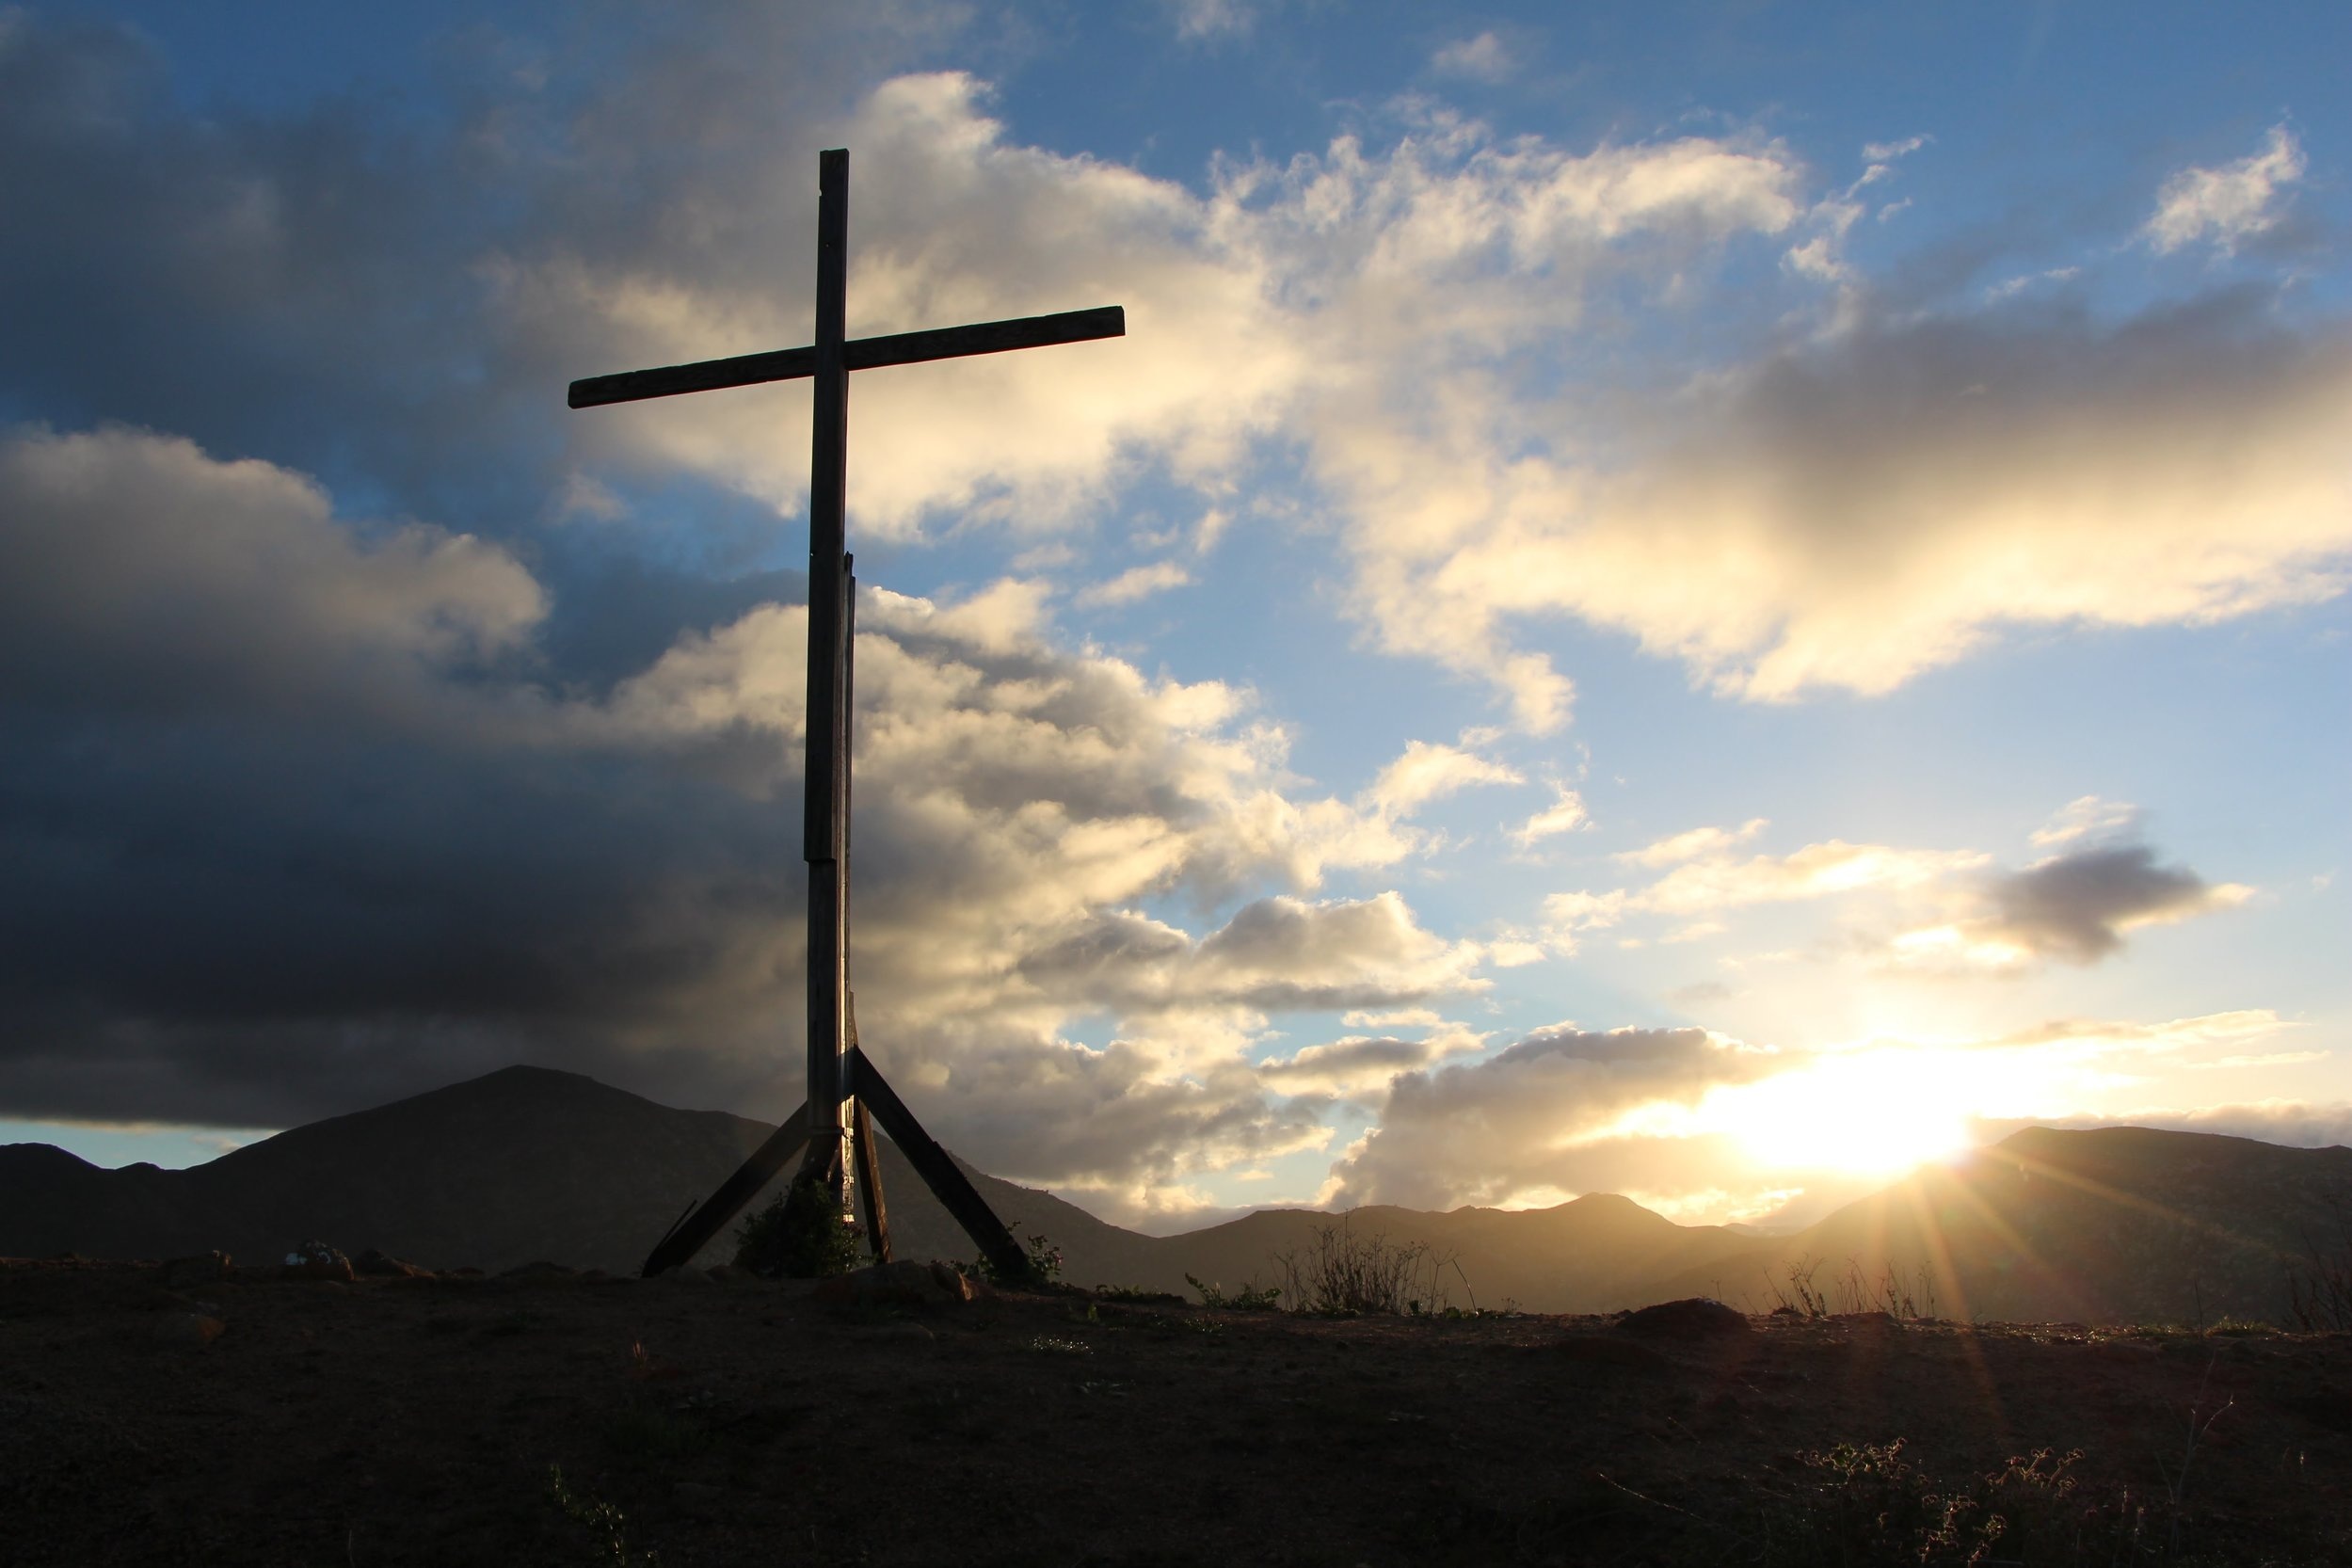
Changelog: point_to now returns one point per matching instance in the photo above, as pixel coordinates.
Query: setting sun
(1872, 1113)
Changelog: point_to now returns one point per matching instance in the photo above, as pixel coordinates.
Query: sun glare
(1877, 1112)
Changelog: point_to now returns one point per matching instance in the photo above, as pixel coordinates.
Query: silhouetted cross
(831, 615)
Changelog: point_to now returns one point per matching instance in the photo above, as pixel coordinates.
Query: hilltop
(547, 1417)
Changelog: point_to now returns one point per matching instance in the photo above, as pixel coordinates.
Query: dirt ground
(561, 1419)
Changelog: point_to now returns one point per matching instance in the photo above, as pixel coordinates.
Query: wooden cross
(841, 1078)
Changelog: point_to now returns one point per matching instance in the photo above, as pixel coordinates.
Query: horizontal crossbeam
(899, 349)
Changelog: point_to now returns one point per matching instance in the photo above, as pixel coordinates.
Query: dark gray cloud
(324, 288)
(2077, 906)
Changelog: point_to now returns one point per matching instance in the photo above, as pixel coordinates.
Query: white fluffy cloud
(1692, 844)
(1429, 772)
(1483, 58)
(1843, 513)
(1136, 583)
(2229, 205)
(1565, 814)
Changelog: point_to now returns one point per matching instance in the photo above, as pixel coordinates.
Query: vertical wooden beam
(869, 1181)
(823, 825)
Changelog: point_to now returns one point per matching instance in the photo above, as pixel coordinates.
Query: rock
(901, 1283)
(1695, 1317)
(189, 1328)
(188, 1273)
(685, 1273)
(542, 1271)
(376, 1265)
(316, 1261)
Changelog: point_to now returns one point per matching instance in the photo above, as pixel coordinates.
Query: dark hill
(2117, 1225)
(528, 1163)
(522, 1164)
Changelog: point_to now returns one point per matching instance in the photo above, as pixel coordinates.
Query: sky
(1699, 601)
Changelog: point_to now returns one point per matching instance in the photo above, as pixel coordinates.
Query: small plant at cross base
(1247, 1298)
(606, 1525)
(801, 1234)
(1044, 1267)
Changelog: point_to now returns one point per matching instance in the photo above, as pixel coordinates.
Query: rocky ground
(559, 1418)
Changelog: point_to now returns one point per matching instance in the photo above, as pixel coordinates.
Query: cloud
(2086, 817)
(1951, 909)
(137, 572)
(1361, 1065)
(1211, 19)
(2229, 205)
(1134, 584)
(2077, 906)
(1843, 512)
(953, 223)
(1428, 772)
(1494, 1131)
(1566, 914)
(1816, 871)
(1887, 151)
(1391, 1018)
(1854, 513)
(1483, 58)
(1696, 842)
(1565, 814)
(1277, 954)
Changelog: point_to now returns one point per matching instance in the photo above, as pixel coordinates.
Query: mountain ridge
(530, 1162)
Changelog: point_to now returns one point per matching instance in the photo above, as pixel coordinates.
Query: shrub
(1868, 1504)
(606, 1525)
(801, 1234)
(1248, 1298)
(1343, 1273)
(1044, 1266)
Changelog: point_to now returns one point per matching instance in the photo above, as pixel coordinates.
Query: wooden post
(869, 1181)
(824, 824)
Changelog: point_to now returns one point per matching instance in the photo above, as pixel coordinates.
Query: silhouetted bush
(1343, 1272)
(801, 1234)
